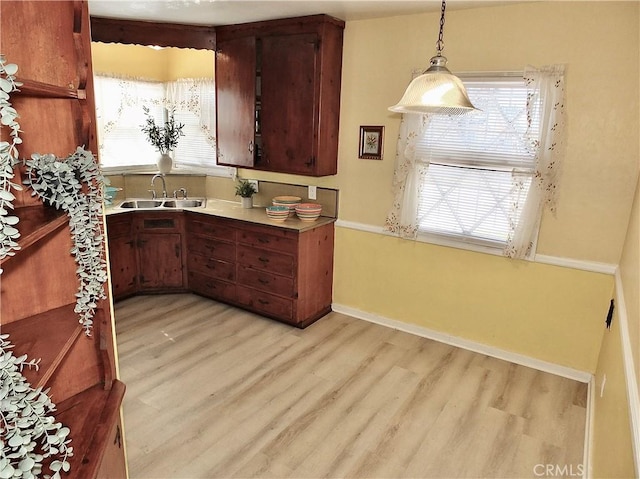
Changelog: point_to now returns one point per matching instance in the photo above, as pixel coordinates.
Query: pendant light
(437, 90)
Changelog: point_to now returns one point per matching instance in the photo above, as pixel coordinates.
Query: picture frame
(371, 142)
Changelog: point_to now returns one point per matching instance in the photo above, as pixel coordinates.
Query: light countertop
(232, 210)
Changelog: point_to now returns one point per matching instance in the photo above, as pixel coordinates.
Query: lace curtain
(407, 178)
(119, 114)
(196, 96)
(545, 101)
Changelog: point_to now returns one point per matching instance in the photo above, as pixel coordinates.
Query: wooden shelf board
(36, 222)
(50, 334)
(46, 90)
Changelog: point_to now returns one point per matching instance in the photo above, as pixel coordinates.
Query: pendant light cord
(440, 42)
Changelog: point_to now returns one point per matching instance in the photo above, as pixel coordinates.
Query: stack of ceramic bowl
(308, 211)
(288, 201)
(278, 213)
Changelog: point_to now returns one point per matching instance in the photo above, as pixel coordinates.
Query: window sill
(460, 244)
(223, 172)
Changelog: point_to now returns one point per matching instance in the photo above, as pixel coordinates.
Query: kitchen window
(119, 111)
(481, 179)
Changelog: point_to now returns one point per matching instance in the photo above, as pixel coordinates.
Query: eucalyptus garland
(75, 184)
(30, 433)
(8, 159)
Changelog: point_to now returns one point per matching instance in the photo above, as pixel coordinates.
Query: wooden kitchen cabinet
(278, 94)
(122, 255)
(211, 257)
(280, 273)
(146, 253)
(39, 283)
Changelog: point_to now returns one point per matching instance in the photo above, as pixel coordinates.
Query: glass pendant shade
(437, 90)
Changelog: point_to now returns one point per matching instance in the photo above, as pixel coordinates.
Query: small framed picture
(371, 142)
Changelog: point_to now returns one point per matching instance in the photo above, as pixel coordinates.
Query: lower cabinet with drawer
(211, 256)
(280, 273)
(146, 253)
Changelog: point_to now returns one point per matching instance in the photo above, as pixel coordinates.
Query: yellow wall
(612, 451)
(143, 62)
(130, 60)
(630, 275)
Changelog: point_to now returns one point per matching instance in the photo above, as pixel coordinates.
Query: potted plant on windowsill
(163, 138)
(245, 189)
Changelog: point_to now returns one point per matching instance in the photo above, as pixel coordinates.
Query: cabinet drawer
(266, 260)
(266, 303)
(159, 222)
(212, 267)
(212, 288)
(216, 229)
(265, 281)
(263, 239)
(212, 248)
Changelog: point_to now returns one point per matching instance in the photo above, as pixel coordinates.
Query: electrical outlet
(255, 184)
(312, 192)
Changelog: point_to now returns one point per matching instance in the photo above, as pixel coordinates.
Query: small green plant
(28, 428)
(162, 138)
(245, 188)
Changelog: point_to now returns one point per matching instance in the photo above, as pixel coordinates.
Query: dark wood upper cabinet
(235, 99)
(292, 95)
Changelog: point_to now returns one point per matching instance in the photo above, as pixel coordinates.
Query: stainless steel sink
(141, 204)
(183, 203)
(165, 203)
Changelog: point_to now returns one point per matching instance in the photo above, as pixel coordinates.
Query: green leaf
(26, 464)
(7, 472)
(6, 85)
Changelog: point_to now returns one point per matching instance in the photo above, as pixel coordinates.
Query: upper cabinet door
(289, 102)
(235, 101)
(290, 122)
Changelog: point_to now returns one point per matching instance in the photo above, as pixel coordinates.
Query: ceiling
(228, 12)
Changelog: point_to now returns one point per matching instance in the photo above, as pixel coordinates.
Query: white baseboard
(587, 473)
(629, 370)
(563, 371)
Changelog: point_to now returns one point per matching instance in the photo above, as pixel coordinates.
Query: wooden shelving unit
(39, 282)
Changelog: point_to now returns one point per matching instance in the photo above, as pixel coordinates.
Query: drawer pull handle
(263, 260)
(263, 301)
(263, 281)
(263, 240)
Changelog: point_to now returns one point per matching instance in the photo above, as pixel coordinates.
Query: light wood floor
(215, 392)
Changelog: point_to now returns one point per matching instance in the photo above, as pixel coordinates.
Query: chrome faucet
(181, 190)
(164, 185)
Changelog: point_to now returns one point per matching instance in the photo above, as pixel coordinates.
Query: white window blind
(480, 165)
(193, 101)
